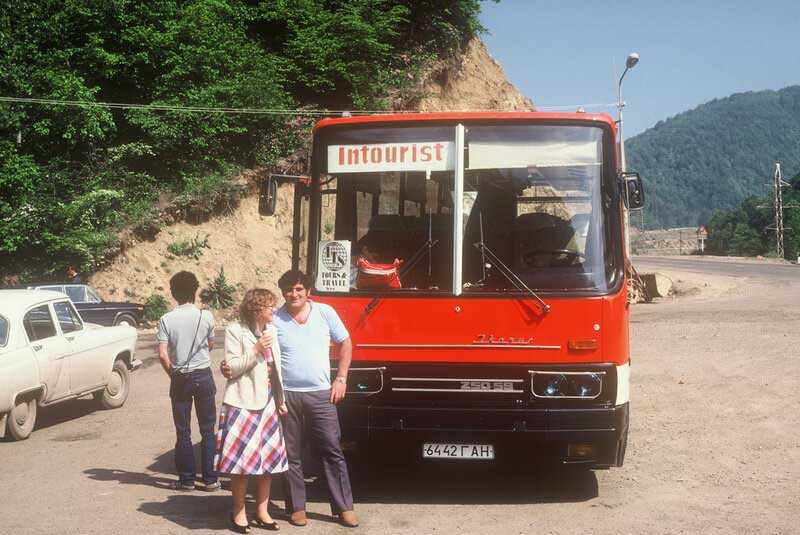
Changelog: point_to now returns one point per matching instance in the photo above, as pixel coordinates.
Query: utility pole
(777, 202)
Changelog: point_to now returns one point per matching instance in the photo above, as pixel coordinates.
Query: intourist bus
(478, 261)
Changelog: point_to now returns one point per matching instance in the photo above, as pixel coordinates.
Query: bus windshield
(531, 205)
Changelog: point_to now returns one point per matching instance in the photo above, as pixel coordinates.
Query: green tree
(72, 176)
(745, 241)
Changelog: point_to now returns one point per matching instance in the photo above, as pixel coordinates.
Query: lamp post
(630, 63)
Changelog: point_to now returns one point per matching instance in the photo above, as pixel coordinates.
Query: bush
(206, 195)
(155, 307)
(193, 247)
(219, 293)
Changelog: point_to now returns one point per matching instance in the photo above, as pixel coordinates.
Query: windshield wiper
(509, 274)
(424, 250)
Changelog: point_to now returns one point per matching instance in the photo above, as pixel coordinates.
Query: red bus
(478, 261)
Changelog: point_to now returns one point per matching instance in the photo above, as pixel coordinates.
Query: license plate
(458, 451)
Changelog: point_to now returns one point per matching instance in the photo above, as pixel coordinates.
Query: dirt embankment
(255, 250)
(474, 81)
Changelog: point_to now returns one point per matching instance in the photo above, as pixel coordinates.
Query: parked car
(92, 307)
(48, 354)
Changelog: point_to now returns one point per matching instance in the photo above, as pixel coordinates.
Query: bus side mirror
(267, 196)
(632, 190)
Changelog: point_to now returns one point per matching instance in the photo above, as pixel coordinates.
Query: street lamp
(630, 63)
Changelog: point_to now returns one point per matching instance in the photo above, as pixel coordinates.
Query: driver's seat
(537, 233)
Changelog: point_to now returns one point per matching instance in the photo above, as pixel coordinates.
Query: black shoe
(237, 528)
(177, 485)
(269, 526)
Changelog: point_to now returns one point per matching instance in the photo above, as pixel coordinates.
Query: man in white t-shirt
(305, 332)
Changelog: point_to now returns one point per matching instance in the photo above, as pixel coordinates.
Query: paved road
(719, 266)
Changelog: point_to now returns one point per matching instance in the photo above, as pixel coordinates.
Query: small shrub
(219, 293)
(155, 307)
(207, 194)
(192, 248)
(147, 229)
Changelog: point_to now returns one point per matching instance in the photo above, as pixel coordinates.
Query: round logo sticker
(334, 256)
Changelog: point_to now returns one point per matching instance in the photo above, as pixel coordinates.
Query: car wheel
(22, 417)
(126, 318)
(116, 391)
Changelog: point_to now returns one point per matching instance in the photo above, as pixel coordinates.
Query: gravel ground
(714, 447)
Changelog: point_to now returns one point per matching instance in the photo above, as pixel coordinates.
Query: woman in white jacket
(249, 439)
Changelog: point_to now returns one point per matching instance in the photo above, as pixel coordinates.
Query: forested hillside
(71, 177)
(713, 157)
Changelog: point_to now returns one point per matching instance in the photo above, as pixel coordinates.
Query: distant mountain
(716, 155)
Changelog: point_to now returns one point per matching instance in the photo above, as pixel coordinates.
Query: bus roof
(389, 118)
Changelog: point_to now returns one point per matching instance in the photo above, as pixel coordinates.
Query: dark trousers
(196, 386)
(322, 424)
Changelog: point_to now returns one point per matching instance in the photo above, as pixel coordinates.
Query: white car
(49, 355)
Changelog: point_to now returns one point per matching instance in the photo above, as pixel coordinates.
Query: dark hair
(183, 286)
(292, 277)
(252, 303)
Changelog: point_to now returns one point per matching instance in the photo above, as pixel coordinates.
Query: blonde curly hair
(253, 302)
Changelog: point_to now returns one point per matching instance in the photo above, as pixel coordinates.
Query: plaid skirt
(250, 442)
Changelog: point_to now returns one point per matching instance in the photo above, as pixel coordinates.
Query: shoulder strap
(185, 367)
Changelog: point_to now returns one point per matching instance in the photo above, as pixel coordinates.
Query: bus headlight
(365, 380)
(549, 385)
(586, 385)
(567, 385)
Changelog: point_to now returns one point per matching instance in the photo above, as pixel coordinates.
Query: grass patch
(189, 247)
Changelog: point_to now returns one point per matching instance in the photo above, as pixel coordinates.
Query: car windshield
(3, 331)
(76, 293)
(92, 296)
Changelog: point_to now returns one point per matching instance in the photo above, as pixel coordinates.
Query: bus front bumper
(552, 432)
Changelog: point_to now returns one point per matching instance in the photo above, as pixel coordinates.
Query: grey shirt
(187, 329)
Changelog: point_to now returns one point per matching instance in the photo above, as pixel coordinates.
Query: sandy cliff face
(473, 82)
(255, 250)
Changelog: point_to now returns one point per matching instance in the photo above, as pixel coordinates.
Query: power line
(164, 107)
(243, 111)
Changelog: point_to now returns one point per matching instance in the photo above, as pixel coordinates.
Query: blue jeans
(195, 386)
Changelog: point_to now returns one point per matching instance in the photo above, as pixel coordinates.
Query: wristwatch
(341, 380)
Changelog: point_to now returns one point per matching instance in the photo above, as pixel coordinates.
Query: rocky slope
(474, 81)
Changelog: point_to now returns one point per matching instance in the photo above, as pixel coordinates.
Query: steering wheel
(530, 257)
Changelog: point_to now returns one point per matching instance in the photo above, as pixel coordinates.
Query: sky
(564, 53)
